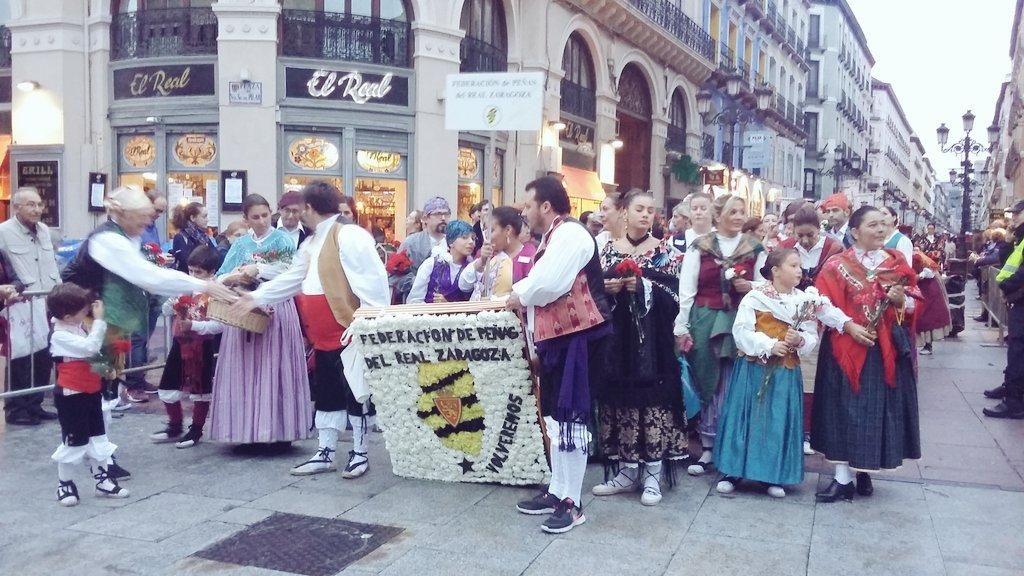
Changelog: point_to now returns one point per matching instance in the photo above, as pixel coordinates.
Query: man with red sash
(568, 314)
(336, 271)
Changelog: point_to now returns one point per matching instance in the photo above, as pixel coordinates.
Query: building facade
(212, 99)
(839, 99)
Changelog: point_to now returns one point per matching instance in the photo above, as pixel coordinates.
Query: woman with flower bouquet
(190, 362)
(717, 271)
(262, 391)
(760, 428)
(865, 398)
(640, 401)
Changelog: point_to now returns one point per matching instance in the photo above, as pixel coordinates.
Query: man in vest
(28, 246)
(336, 271)
(567, 313)
(1011, 282)
(837, 210)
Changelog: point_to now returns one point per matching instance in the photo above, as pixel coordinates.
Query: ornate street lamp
(965, 147)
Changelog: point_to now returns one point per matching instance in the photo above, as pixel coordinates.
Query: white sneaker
(622, 482)
(808, 451)
(652, 489)
(698, 468)
(725, 486)
(319, 463)
(358, 464)
(776, 492)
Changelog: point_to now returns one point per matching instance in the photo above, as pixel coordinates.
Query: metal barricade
(994, 302)
(33, 326)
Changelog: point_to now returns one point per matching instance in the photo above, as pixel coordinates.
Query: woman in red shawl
(865, 402)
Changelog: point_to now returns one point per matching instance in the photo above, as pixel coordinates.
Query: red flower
(398, 263)
(396, 243)
(628, 268)
(183, 305)
(122, 346)
(153, 248)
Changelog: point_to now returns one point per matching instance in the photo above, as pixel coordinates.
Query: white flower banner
(454, 396)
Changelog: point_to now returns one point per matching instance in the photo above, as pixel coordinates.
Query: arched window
(578, 88)
(677, 122)
(485, 46)
(374, 31)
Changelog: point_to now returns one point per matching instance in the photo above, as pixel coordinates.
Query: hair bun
(766, 271)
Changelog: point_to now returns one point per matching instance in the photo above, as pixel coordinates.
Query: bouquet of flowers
(151, 251)
(735, 271)
(808, 306)
(188, 308)
(271, 257)
(398, 264)
(628, 268)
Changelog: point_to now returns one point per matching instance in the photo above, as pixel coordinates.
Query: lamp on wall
(557, 125)
(28, 85)
(617, 143)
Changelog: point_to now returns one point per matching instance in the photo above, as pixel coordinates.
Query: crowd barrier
(993, 301)
(21, 329)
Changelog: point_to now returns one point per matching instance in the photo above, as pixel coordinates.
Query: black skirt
(80, 416)
(875, 428)
(172, 376)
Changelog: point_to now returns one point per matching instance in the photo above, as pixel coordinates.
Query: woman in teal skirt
(760, 427)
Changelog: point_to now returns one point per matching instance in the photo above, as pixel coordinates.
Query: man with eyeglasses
(289, 209)
(27, 244)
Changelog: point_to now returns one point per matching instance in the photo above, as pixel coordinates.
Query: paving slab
(564, 556)
(755, 518)
(157, 517)
(701, 554)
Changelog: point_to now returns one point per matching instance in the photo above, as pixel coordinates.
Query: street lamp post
(734, 115)
(965, 146)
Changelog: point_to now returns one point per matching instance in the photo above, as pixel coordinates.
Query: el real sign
(494, 101)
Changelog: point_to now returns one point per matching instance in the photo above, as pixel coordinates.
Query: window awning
(582, 184)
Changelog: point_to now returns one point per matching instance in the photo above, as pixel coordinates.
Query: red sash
(77, 375)
(318, 322)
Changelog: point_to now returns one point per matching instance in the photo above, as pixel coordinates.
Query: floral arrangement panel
(454, 396)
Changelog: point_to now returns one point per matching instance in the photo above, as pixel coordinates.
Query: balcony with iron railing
(707, 147)
(669, 16)
(163, 32)
(676, 139)
(5, 47)
(791, 36)
(347, 37)
(480, 56)
(578, 101)
(726, 57)
(744, 69)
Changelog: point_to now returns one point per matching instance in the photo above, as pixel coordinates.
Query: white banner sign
(494, 101)
(454, 396)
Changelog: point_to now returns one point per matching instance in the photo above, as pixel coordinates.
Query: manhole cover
(300, 544)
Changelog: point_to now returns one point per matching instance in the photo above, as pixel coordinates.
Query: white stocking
(575, 464)
(843, 474)
(360, 426)
(328, 438)
(65, 471)
(557, 486)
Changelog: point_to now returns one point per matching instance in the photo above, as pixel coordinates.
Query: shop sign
(139, 151)
(313, 153)
(245, 92)
(468, 164)
(195, 150)
(494, 101)
(164, 81)
(714, 177)
(44, 176)
(351, 85)
(579, 134)
(377, 162)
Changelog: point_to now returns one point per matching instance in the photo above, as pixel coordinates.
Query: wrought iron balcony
(677, 139)
(5, 47)
(165, 32)
(707, 146)
(578, 100)
(670, 17)
(744, 69)
(726, 57)
(347, 37)
(791, 36)
(479, 56)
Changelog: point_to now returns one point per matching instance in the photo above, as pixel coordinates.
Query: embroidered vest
(584, 306)
(766, 323)
(342, 300)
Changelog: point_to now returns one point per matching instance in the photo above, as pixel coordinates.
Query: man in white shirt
(289, 207)
(335, 272)
(567, 313)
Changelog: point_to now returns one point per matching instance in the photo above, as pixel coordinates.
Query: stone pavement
(959, 511)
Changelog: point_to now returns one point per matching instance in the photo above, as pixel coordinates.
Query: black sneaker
(544, 503)
(67, 493)
(116, 472)
(567, 516)
(191, 438)
(170, 433)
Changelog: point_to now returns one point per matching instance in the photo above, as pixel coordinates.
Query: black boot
(835, 491)
(997, 393)
(864, 486)
(1012, 408)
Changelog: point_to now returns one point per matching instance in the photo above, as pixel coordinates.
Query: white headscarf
(126, 199)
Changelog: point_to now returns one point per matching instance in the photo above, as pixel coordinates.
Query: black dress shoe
(45, 414)
(981, 318)
(1011, 409)
(955, 333)
(23, 419)
(864, 486)
(997, 393)
(835, 491)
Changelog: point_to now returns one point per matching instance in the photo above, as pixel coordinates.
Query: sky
(942, 58)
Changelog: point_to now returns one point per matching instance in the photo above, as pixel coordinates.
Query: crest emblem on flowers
(449, 406)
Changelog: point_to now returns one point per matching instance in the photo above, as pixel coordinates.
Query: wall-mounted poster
(233, 186)
(97, 191)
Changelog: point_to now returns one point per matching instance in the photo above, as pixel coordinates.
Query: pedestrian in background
(1011, 283)
(191, 221)
(26, 243)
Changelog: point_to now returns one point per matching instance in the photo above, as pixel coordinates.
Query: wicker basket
(255, 321)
